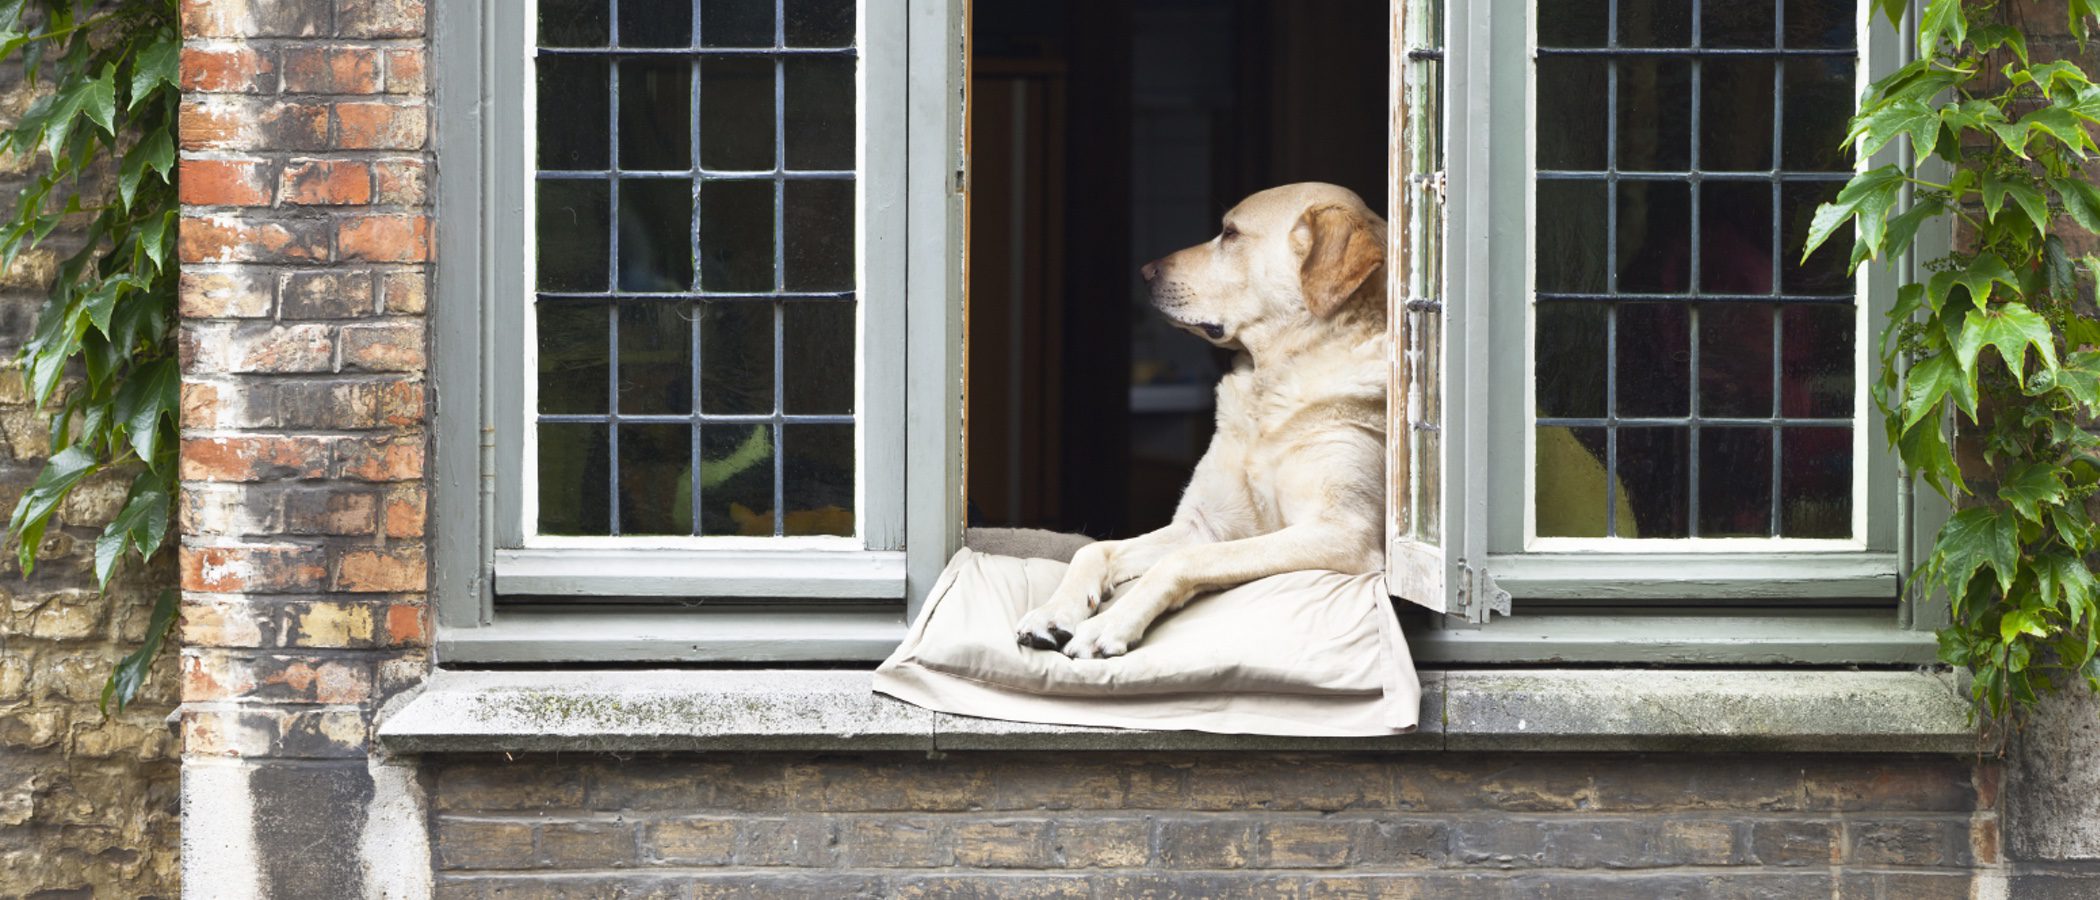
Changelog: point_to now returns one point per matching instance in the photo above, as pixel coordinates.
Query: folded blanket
(1304, 653)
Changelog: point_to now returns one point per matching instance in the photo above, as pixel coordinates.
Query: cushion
(1303, 653)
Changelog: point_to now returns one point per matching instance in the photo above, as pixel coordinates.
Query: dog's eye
(1229, 233)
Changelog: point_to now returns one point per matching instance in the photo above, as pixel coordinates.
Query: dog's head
(1295, 254)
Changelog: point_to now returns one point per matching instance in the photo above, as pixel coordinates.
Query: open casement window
(1623, 410)
(694, 285)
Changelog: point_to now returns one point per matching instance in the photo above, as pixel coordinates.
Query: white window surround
(1487, 555)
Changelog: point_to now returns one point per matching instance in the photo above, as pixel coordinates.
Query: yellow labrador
(1294, 477)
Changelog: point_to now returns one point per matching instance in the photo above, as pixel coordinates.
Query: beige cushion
(1303, 653)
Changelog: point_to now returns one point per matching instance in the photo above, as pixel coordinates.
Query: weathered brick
(253, 18)
(331, 70)
(1002, 844)
(326, 182)
(404, 71)
(529, 784)
(1296, 843)
(991, 886)
(403, 292)
(1924, 784)
(253, 458)
(586, 844)
(330, 511)
(1097, 843)
(1208, 843)
(893, 843)
(227, 238)
(235, 70)
(404, 510)
(235, 349)
(229, 122)
(373, 125)
(1924, 841)
(1782, 842)
(326, 294)
(388, 571)
(255, 568)
(384, 238)
(379, 18)
(350, 405)
(213, 293)
(225, 182)
(400, 182)
(394, 458)
(1405, 843)
(691, 842)
(478, 844)
(269, 731)
(384, 347)
(1325, 785)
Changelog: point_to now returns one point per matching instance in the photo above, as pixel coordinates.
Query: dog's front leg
(1095, 568)
(1187, 570)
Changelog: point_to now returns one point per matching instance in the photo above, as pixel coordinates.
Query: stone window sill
(1497, 710)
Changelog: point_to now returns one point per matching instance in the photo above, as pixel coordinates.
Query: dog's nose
(1149, 271)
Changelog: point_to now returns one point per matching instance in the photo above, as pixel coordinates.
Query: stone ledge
(1496, 710)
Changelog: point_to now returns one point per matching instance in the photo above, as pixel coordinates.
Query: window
(1626, 393)
(691, 335)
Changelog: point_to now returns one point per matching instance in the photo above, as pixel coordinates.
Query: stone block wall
(87, 802)
(1064, 824)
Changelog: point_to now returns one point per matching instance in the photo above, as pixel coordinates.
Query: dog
(1294, 477)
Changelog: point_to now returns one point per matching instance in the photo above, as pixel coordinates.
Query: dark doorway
(1105, 133)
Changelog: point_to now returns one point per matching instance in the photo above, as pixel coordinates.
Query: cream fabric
(1304, 653)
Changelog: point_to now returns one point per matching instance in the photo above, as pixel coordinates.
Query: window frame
(787, 598)
(1599, 601)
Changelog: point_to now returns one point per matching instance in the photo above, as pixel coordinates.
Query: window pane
(1574, 23)
(1820, 24)
(1735, 360)
(1654, 359)
(1819, 94)
(1654, 470)
(1735, 237)
(1572, 113)
(1824, 271)
(1576, 496)
(1655, 114)
(1655, 234)
(1817, 349)
(1816, 482)
(696, 267)
(1571, 246)
(1571, 359)
(1666, 23)
(1735, 482)
(1735, 114)
(1736, 23)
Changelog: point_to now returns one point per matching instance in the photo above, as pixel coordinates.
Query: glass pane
(655, 473)
(1819, 95)
(1735, 237)
(1429, 455)
(656, 115)
(736, 23)
(1571, 359)
(656, 23)
(1820, 24)
(736, 479)
(1573, 113)
(817, 478)
(1571, 248)
(1655, 232)
(1823, 272)
(575, 479)
(1654, 364)
(1667, 23)
(656, 238)
(573, 341)
(656, 358)
(573, 23)
(1654, 472)
(1655, 114)
(819, 23)
(1819, 365)
(573, 236)
(1573, 23)
(736, 358)
(1735, 23)
(819, 95)
(736, 114)
(1735, 115)
(819, 235)
(1815, 483)
(1735, 360)
(1735, 482)
(573, 111)
(819, 363)
(1574, 491)
(736, 236)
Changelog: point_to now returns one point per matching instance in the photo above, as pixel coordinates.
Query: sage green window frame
(751, 599)
(1626, 604)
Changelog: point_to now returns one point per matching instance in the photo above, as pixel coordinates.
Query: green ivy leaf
(1868, 196)
(124, 682)
(157, 65)
(153, 392)
(2064, 581)
(1974, 539)
(2019, 622)
(2010, 327)
(154, 153)
(1942, 19)
(2032, 203)
(1932, 380)
(100, 100)
(1885, 122)
(2029, 486)
(143, 524)
(33, 512)
(2081, 200)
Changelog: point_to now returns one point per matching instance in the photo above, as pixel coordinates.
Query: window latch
(1479, 595)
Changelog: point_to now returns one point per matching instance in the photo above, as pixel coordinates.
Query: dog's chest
(1262, 432)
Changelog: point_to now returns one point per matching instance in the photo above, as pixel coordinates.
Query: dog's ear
(1344, 258)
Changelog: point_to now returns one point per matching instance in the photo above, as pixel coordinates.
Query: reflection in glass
(1655, 114)
(655, 460)
(1655, 233)
(1735, 114)
(572, 235)
(1571, 359)
(1654, 471)
(656, 23)
(1735, 237)
(736, 23)
(573, 110)
(736, 480)
(736, 349)
(1571, 242)
(1735, 360)
(1735, 482)
(819, 101)
(574, 478)
(736, 236)
(656, 358)
(818, 234)
(734, 93)
(573, 23)
(1654, 359)
(1740, 24)
(573, 341)
(819, 23)
(818, 464)
(655, 114)
(1815, 482)
(1573, 113)
(656, 239)
(1817, 380)
(819, 337)
(1576, 496)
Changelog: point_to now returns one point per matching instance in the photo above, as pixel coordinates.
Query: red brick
(325, 182)
(254, 458)
(379, 18)
(328, 511)
(225, 238)
(331, 70)
(380, 459)
(380, 126)
(209, 348)
(246, 123)
(403, 292)
(389, 347)
(256, 568)
(400, 182)
(253, 18)
(326, 294)
(351, 405)
(235, 70)
(384, 238)
(225, 182)
(404, 72)
(405, 511)
(382, 571)
(404, 625)
(204, 294)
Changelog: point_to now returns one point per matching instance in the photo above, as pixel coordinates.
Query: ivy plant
(1990, 367)
(101, 361)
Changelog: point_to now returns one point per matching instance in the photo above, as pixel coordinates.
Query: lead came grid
(1651, 301)
(761, 249)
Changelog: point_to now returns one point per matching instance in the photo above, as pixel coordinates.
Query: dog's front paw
(1103, 637)
(1049, 626)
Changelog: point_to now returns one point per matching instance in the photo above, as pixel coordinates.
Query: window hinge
(1479, 595)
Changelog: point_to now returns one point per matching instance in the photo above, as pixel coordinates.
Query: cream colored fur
(1294, 477)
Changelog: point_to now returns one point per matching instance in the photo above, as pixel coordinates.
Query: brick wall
(1194, 825)
(87, 803)
(305, 246)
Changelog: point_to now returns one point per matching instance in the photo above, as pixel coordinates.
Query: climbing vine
(101, 361)
(1990, 368)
